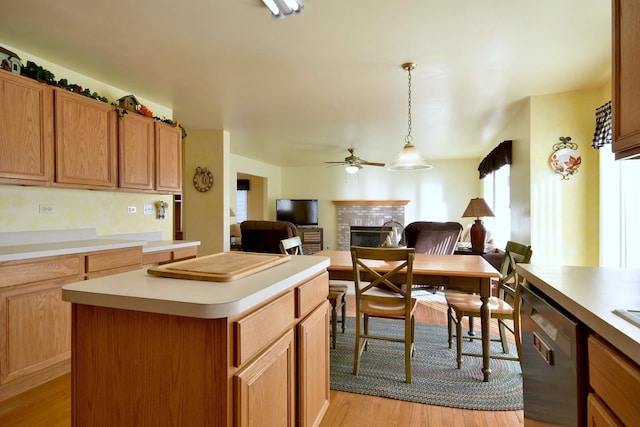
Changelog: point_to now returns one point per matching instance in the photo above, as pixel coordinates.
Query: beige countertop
(591, 295)
(137, 290)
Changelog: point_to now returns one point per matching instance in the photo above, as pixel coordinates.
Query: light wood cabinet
(86, 141)
(26, 130)
(34, 321)
(168, 158)
(264, 392)
(172, 255)
(136, 156)
(266, 366)
(626, 85)
(615, 381)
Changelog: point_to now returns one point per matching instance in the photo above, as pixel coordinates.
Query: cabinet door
(26, 129)
(626, 85)
(264, 390)
(168, 158)
(136, 151)
(36, 326)
(313, 366)
(85, 141)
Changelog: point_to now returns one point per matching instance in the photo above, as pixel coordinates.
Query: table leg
(485, 320)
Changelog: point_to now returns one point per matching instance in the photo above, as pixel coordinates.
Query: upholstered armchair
(265, 236)
(430, 237)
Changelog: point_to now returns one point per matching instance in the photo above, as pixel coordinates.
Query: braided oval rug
(435, 378)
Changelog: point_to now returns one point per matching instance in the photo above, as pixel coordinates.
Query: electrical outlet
(46, 208)
(131, 209)
(148, 209)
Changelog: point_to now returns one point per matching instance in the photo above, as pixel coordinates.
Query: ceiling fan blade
(364, 162)
(338, 163)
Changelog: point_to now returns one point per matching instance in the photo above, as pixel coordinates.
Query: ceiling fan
(354, 163)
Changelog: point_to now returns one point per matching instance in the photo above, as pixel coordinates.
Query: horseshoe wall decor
(203, 179)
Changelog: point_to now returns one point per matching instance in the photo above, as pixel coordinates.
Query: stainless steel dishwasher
(554, 368)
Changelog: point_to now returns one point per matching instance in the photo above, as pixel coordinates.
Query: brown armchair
(265, 236)
(429, 237)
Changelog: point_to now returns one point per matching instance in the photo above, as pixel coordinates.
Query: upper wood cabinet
(168, 157)
(86, 141)
(26, 130)
(136, 142)
(626, 85)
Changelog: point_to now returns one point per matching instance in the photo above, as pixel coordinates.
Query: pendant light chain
(409, 138)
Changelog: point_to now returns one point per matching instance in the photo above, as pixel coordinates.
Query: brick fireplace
(366, 213)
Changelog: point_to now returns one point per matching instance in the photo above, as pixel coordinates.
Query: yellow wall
(103, 210)
(565, 213)
(438, 194)
(106, 211)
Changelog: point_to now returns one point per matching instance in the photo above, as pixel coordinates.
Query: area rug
(435, 378)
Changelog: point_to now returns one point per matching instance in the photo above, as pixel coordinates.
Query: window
(497, 195)
(241, 205)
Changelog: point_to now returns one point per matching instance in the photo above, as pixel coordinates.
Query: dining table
(466, 273)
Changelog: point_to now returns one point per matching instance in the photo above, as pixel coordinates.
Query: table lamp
(477, 208)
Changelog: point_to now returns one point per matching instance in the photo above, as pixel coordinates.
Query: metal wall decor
(565, 160)
(203, 179)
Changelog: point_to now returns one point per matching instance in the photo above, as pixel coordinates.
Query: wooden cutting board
(221, 267)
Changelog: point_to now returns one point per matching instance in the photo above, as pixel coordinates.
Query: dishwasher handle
(544, 349)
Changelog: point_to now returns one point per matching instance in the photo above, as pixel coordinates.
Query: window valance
(498, 157)
(602, 134)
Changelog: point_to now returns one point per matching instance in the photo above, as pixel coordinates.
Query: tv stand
(311, 239)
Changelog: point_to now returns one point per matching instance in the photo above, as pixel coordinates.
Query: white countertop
(38, 244)
(591, 295)
(136, 290)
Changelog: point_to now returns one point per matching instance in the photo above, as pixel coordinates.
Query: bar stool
(338, 299)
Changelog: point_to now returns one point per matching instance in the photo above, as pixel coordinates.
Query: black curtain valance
(498, 157)
(602, 134)
(243, 184)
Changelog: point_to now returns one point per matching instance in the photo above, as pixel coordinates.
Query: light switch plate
(148, 209)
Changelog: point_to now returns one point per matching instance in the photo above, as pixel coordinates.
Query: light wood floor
(50, 404)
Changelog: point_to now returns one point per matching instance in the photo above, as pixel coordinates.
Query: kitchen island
(150, 351)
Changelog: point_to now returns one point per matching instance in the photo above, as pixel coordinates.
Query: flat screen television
(298, 211)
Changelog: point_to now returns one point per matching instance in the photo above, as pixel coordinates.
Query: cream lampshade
(477, 208)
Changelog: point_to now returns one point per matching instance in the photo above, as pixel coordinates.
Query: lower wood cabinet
(266, 367)
(615, 383)
(35, 323)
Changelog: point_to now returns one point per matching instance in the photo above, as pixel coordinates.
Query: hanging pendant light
(409, 158)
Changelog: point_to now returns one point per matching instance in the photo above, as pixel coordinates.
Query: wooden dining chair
(337, 292)
(399, 306)
(505, 307)
(291, 246)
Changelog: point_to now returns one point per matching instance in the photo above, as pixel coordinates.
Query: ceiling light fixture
(283, 8)
(352, 169)
(409, 158)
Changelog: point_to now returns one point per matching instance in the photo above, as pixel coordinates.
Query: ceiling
(300, 91)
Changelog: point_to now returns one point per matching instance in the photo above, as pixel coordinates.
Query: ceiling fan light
(409, 159)
(351, 169)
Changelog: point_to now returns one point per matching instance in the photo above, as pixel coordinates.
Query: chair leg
(450, 325)
(472, 331)
(459, 340)
(366, 331)
(356, 356)
(344, 312)
(334, 326)
(503, 336)
(518, 336)
(408, 333)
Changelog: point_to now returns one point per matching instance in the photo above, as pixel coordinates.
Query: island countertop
(139, 291)
(591, 294)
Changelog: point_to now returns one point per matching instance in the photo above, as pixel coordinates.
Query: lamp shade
(351, 169)
(409, 159)
(476, 208)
